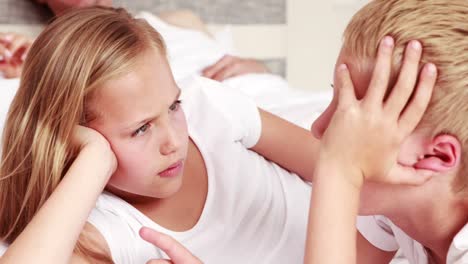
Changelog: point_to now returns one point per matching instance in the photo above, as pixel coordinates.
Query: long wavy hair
(73, 56)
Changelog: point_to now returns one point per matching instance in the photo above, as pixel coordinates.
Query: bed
(302, 106)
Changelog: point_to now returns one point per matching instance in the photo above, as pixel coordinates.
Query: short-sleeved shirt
(255, 211)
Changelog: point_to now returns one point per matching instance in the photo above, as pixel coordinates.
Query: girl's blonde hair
(67, 62)
(442, 27)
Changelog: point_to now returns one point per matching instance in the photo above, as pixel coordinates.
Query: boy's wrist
(342, 170)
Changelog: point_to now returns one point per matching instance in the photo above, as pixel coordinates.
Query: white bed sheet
(190, 51)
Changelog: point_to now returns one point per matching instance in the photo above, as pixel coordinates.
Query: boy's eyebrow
(146, 120)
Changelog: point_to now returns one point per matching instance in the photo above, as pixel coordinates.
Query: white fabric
(458, 251)
(273, 93)
(255, 212)
(8, 89)
(385, 235)
(3, 248)
(189, 51)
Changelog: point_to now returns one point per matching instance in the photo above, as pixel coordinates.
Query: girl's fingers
(160, 261)
(381, 73)
(418, 104)
(406, 80)
(176, 251)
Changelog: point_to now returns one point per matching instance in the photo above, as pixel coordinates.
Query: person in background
(14, 47)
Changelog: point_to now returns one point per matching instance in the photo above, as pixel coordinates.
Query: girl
(103, 111)
(98, 108)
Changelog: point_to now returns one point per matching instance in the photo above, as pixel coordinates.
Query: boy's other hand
(177, 253)
(13, 50)
(231, 66)
(365, 135)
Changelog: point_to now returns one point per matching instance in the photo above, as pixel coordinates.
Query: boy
(426, 221)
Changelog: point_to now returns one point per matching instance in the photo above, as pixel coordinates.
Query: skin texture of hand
(13, 50)
(361, 143)
(231, 66)
(88, 137)
(177, 253)
(375, 127)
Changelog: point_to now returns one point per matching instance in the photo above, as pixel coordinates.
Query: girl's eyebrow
(146, 120)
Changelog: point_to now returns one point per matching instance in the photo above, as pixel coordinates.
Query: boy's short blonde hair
(442, 27)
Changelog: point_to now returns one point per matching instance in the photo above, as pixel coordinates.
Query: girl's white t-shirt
(255, 211)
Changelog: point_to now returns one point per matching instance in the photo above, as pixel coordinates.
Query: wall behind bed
(298, 39)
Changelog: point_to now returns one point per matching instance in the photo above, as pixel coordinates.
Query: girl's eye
(175, 106)
(140, 131)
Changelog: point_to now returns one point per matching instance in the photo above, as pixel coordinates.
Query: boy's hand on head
(13, 50)
(364, 136)
(177, 253)
(231, 66)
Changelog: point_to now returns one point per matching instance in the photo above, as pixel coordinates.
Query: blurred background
(297, 39)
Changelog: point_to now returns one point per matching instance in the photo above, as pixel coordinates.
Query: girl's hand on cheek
(364, 136)
(88, 138)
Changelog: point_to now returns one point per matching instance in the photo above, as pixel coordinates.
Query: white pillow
(8, 88)
(3, 248)
(190, 51)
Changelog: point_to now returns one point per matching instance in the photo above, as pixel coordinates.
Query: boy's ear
(442, 155)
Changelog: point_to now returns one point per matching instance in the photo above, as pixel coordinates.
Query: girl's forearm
(332, 216)
(53, 232)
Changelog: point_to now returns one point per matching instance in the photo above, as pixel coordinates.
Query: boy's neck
(434, 227)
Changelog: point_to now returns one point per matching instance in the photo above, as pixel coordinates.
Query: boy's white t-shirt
(255, 211)
(385, 235)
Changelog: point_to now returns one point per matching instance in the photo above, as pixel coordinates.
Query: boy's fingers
(406, 80)
(381, 74)
(408, 175)
(345, 89)
(418, 104)
(178, 253)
